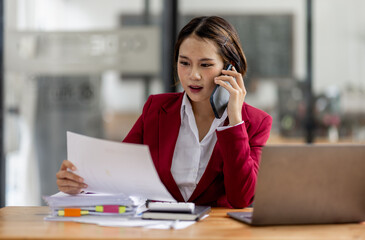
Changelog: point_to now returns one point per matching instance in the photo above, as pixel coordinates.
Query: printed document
(115, 167)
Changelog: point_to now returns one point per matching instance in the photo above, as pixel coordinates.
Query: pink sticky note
(111, 208)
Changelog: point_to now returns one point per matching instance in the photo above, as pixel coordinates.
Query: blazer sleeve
(241, 152)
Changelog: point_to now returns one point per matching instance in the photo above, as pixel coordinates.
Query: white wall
(339, 44)
(73, 14)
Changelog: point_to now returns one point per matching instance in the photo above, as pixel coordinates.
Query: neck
(202, 109)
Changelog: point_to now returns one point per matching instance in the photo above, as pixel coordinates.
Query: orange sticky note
(72, 212)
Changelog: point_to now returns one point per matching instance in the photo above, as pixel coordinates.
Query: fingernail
(81, 179)
(85, 185)
(73, 168)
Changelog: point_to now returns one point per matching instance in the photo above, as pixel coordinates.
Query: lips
(195, 89)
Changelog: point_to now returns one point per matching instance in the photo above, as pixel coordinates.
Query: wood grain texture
(28, 223)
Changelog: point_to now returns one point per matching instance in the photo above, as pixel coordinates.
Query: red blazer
(230, 177)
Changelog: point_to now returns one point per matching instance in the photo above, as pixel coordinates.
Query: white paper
(115, 167)
(61, 199)
(154, 224)
(124, 222)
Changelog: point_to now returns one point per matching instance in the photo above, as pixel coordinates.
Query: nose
(195, 74)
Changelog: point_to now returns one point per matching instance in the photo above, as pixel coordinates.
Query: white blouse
(191, 157)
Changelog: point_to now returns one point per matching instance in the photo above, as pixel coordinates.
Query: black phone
(219, 98)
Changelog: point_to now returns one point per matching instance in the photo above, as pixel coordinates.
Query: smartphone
(219, 98)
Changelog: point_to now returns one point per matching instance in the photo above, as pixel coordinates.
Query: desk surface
(27, 222)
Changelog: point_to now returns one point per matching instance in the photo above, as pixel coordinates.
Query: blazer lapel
(214, 166)
(169, 126)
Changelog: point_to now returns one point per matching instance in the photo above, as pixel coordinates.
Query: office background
(88, 67)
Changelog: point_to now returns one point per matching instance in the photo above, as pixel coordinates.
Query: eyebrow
(202, 59)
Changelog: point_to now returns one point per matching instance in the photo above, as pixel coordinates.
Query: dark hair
(219, 31)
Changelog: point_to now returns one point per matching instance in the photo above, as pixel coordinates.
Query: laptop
(308, 184)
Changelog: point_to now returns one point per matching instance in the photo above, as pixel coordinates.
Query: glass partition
(71, 66)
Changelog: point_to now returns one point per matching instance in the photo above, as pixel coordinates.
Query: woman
(198, 157)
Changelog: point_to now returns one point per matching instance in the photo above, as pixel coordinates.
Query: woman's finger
(69, 175)
(70, 190)
(228, 79)
(236, 75)
(66, 164)
(70, 183)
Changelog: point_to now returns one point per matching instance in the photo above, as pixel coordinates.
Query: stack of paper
(104, 210)
(69, 206)
(121, 177)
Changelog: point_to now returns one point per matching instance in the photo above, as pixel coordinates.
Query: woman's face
(198, 64)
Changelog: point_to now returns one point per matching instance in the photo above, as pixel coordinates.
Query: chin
(197, 98)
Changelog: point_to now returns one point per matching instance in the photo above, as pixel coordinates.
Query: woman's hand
(237, 93)
(67, 181)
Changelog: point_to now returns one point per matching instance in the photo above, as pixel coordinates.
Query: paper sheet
(62, 199)
(125, 222)
(116, 167)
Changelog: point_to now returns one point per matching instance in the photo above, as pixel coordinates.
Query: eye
(206, 64)
(184, 63)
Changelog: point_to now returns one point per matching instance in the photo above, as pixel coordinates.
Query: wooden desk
(27, 223)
